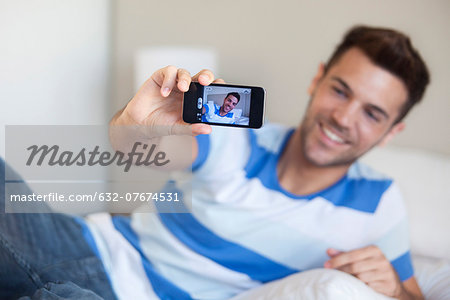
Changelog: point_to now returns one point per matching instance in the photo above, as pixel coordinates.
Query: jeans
(45, 256)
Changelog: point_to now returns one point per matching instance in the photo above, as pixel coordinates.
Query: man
(221, 114)
(294, 199)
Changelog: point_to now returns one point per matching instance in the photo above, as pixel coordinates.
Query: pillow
(237, 113)
(433, 277)
(318, 284)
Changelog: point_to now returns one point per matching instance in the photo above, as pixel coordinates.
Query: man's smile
(331, 136)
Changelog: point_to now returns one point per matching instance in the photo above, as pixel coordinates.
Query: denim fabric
(60, 291)
(41, 248)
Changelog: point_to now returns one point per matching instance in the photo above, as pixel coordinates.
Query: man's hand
(154, 116)
(371, 266)
(158, 103)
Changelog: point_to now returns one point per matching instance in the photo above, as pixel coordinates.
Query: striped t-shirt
(245, 229)
(212, 115)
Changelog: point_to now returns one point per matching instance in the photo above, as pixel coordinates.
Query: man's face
(229, 103)
(353, 107)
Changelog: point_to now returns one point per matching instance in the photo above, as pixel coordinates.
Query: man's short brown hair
(234, 94)
(391, 50)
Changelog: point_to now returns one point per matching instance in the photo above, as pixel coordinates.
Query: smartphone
(224, 104)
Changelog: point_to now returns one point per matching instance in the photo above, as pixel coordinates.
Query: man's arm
(371, 266)
(412, 289)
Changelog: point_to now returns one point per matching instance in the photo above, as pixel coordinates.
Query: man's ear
(317, 78)
(392, 132)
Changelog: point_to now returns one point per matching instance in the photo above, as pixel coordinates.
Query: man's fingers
(369, 265)
(350, 257)
(362, 266)
(331, 252)
(184, 80)
(379, 286)
(200, 129)
(188, 129)
(371, 276)
(172, 76)
(169, 75)
(219, 80)
(204, 77)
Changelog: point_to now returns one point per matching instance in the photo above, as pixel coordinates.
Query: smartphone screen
(224, 104)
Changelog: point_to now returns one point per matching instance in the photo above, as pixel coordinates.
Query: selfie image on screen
(226, 105)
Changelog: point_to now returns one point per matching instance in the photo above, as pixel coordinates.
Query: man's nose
(345, 114)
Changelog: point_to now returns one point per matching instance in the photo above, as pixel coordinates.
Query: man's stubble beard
(344, 160)
(306, 127)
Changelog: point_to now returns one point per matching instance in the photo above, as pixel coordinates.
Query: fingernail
(166, 91)
(183, 84)
(203, 77)
(333, 252)
(327, 264)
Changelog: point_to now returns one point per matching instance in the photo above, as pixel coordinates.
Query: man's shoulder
(271, 137)
(359, 170)
(364, 178)
(375, 191)
(365, 189)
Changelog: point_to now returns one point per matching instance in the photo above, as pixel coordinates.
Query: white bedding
(433, 276)
(319, 284)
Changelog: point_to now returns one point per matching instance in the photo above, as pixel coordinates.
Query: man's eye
(339, 92)
(371, 115)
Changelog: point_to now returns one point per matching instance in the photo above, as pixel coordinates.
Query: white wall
(279, 44)
(54, 62)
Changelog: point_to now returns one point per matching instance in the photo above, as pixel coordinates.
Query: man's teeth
(333, 136)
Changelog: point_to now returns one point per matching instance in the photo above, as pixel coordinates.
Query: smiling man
(266, 203)
(356, 104)
(224, 113)
(298, 198)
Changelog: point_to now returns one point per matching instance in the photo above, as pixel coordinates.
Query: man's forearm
(407, 295)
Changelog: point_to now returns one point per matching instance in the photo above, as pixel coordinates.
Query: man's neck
(299, 176)
(222, 112)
